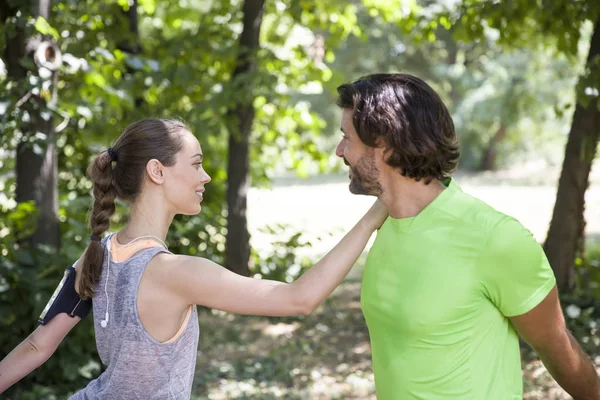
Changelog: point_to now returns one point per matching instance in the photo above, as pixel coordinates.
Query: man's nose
(339, 150)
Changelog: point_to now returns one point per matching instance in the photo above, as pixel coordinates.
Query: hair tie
(95, 238)
(112, 154)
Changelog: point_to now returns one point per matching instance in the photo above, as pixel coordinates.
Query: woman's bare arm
(34, 350)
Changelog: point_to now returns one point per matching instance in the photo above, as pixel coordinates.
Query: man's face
(359, 157)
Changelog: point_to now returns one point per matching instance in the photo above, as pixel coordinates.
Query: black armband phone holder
(65, 299)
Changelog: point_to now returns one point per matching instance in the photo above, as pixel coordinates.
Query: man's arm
(544, 329)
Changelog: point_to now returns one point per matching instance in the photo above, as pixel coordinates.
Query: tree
(130, 45)
(522, 24)
(240, 127)
(565, 239)
(32, 63)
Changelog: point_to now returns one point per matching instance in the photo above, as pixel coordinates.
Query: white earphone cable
(104, 322)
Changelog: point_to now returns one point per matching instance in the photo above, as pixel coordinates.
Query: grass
(323, 356)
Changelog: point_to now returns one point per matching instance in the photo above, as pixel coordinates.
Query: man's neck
(405, 197)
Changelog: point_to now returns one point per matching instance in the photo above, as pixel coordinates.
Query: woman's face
(185, 180)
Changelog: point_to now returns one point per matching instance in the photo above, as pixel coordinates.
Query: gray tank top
(138, 366)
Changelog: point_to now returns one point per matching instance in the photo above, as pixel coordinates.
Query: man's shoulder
(495, 228)
(474, 213)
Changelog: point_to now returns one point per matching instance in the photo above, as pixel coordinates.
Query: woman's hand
(376, 215)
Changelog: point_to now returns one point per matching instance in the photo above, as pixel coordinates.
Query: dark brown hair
(141, 142)
(406, 115)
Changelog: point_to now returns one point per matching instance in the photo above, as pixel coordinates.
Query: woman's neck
(145, 223)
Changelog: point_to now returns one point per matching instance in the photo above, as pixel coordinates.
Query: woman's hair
(406, 115)
(119, 172)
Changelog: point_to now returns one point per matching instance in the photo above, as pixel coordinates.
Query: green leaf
(43, 27)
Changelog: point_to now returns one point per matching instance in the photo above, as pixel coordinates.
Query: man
(449, 283)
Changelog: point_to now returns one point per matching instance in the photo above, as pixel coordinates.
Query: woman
(145, 297)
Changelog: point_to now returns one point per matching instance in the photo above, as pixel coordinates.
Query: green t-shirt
(437, 290)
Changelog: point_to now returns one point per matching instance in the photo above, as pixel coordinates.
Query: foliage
(485, 82)
(282, 262)
(24, 292)
(524, 24)
(582, 306)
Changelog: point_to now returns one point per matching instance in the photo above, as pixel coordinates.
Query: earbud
(104, 322)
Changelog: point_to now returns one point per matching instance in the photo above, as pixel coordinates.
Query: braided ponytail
(101, 173)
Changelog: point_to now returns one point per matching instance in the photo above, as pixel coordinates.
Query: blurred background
(255, 80)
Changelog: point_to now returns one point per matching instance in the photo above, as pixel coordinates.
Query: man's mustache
(346, 162)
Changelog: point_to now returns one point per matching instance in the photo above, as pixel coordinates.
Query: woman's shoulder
(179, 270)
(178, 274)
(173, 262)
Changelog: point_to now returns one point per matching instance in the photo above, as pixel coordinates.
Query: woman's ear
(154, 169)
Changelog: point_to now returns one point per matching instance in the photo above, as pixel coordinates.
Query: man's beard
(363, 178)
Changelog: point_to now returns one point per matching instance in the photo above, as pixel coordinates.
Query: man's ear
(382, 150)
(381, 142)
(154, 169)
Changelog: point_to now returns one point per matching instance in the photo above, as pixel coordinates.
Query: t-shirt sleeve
(516, 275)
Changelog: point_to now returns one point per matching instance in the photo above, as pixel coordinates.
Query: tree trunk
(241, 117)
(36, 161)
(131, 44)
(566, 232)
(488, 162)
